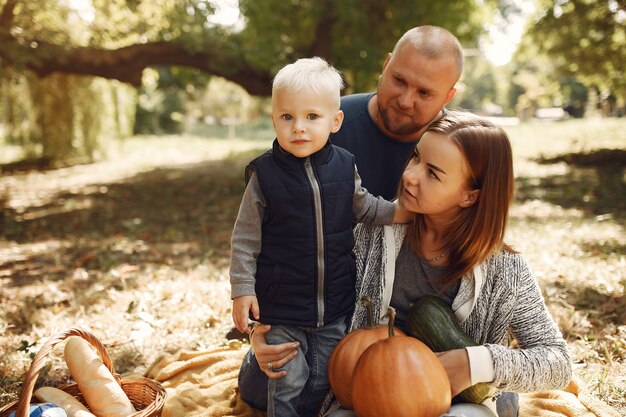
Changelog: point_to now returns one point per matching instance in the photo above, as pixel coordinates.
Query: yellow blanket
(205, 384)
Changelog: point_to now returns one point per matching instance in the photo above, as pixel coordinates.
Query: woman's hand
(271, 357)
(456, 364)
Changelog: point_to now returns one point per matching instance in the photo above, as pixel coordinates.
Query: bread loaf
(72, 407)
(101, 392)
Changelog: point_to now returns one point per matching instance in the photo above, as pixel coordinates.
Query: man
(417, 81)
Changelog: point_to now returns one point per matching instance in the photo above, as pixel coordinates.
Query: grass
(136, 248)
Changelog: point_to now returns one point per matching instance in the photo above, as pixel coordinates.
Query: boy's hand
(401, 215)
(242, 306)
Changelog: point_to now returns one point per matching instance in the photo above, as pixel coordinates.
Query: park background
(125, 126)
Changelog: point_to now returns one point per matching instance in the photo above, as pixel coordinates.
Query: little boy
(291, 261)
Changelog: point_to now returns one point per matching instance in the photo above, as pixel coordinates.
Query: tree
(585, 39)
(128, 36)
(121, 52)
(478, 87)
(45, 43)
(533, 83)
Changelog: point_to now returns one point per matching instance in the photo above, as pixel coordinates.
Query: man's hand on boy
(242, 307)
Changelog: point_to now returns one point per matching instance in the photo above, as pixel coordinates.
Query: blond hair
(309, 73)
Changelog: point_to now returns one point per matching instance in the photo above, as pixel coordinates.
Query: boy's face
(303, 120)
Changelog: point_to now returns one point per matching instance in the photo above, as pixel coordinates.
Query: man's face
(412, 89)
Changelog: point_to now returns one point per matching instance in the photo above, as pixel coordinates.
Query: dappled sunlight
(543, 139)
(23, 190)
(571, 249)
(138, 314)
(597, 191)
(183, 149)
(568, 220)
(143, 241)
(22, 262)
(536, 171)
(580, 264)
(537, 209)
(57, 206)
(125, 128)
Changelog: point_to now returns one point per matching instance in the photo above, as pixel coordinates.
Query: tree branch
(323, 39)
(6, 15)
(127, 64)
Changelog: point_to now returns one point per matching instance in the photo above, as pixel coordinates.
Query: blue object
(44, 410)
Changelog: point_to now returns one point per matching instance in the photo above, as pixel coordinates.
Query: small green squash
(432, 321)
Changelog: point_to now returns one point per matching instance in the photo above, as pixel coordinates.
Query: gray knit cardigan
(499, 295)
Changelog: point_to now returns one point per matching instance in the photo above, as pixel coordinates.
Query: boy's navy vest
(287, 285)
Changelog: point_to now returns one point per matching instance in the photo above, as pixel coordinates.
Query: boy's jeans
(300, 392)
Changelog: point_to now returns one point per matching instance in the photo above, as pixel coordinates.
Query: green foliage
(585, 39)
(120, 23)
(355, 35)
(165, 97)
(16, 109)
(164, 106)
(63, 117)
(478, 88)
(576, 95)
(533, 81)
(54, 115)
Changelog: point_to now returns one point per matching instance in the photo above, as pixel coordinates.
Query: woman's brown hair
(478, 230)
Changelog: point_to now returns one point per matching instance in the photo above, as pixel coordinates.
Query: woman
(459, 184)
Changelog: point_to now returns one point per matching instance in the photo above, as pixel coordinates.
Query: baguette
(72, 407)
(101, 392)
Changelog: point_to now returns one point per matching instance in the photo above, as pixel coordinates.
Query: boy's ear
(337, 121)
(470, 198)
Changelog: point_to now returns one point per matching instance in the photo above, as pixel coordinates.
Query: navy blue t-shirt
(379, 158)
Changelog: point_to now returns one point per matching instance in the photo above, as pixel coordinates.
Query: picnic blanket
(204, 383)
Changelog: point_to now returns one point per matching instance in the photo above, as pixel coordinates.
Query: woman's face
(435, 180)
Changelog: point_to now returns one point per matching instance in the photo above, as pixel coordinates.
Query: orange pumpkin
(400, 377)
(347, 352)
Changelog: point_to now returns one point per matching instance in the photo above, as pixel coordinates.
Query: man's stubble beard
(403, 129)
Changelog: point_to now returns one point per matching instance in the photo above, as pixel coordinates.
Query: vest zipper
(319, 232)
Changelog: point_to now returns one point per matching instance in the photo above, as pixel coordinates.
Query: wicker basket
(147, 396)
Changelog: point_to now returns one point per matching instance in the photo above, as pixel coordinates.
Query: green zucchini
(432, 321)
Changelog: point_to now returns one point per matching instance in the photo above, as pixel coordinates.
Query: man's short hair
(434, 42)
